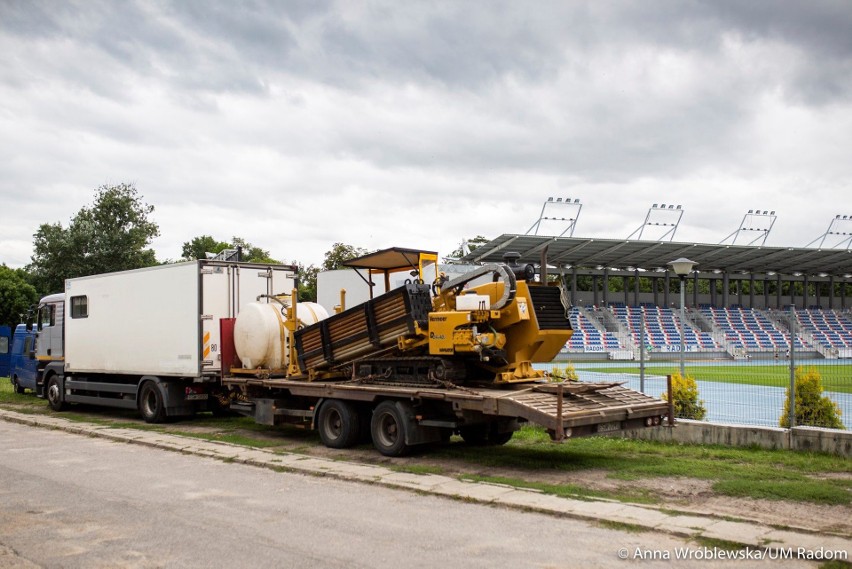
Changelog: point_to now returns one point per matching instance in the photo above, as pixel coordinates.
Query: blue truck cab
(5, 351)
(23, 365)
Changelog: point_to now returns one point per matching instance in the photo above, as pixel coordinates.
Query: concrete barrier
(811, 439)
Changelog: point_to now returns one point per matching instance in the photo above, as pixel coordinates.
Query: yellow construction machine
(488, 325)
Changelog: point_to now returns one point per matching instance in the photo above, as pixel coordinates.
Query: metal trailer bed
(579, 408)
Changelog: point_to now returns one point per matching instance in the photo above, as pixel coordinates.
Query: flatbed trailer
(400, 417)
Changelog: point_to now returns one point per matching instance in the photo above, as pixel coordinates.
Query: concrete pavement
(754, 536)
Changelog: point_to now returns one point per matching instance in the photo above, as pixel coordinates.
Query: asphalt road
(71, 501)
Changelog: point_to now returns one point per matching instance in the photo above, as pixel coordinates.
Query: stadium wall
(809, 439)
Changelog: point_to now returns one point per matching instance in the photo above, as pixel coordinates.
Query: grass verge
(531, 460)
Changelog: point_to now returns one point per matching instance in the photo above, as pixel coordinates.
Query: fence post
(642, 352)
(671, 399)
(791, 415)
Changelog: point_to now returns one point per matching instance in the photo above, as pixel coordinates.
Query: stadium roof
(652, 255)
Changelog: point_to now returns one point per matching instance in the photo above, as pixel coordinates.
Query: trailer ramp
(580, 409)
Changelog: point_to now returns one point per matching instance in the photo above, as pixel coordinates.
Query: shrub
(565, 373)
(685, 398)
(812, 407)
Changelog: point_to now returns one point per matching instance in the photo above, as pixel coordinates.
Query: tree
(685, 398)
(307, 281)
(252, 254)
(471, 245)
(198, 248)
(110, 235)
(340, 253)
(16, 295)
(812, 407)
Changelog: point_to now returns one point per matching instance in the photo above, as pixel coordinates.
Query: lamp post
(682, 267)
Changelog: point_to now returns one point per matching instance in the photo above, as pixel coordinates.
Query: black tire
(339, 424)
(388, 428)
(152, 408)
(17, 386)
(54, 394)
(484, 435)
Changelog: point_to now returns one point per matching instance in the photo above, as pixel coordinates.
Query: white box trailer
(161, 320)
(158, 325)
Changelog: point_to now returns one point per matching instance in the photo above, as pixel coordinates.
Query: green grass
(622, 526)
(751, 472)
(232, 438)
(8, 395)
(835, 377)
(565, 490)
(531, 456)
(417, 468)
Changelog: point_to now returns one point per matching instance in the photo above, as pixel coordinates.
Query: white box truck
(146, 339)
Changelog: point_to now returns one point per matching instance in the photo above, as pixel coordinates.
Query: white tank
(260, 336)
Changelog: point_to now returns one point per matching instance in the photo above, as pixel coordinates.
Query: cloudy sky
(298, 124)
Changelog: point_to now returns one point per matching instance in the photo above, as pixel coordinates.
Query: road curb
(695, 526)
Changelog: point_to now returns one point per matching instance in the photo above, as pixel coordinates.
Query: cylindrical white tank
(260, 336)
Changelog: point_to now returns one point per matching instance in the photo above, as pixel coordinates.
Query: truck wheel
(151, 405)
(16, 385)
(55, 397)
(388, 429)
(338, 424)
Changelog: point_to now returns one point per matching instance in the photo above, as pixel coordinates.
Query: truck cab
(23, 363)
(49, 335)
(5, 343)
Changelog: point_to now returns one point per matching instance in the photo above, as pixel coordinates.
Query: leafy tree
(812, 407)
(472, 244)
(110, 235)
(198, 248)
(340, 253)
(16, 295)
(307, 281)
(252, 254)
(685, 397)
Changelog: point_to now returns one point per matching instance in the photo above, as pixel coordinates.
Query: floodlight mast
(761, 221)
(682, 267)
(840, 225)
(549, 206)
(663, 215)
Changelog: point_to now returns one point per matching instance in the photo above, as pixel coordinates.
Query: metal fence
(747, 390)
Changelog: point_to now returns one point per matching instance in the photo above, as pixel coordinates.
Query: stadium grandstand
(739, 299)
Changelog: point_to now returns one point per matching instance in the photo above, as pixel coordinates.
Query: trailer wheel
(388, 428)
(151, 405)
(338, 424)
(54, 394)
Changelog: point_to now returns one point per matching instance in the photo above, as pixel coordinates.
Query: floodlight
(682, 266)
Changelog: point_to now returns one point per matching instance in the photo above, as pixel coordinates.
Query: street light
(682, 267)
